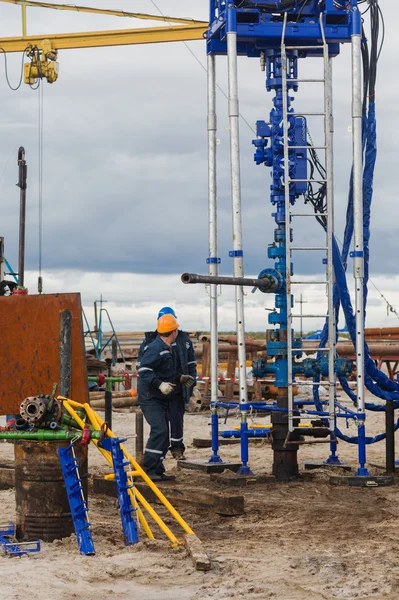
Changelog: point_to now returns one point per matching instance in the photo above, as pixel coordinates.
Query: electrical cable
(205, 69)
(14, 89)
(6, 163)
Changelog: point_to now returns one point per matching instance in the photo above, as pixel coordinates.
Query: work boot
(178, 454)
(163, 477)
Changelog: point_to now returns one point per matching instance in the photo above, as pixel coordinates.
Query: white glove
(166, 388)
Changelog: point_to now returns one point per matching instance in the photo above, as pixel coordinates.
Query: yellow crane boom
(105, 11)
(118, 37)
(42, 49)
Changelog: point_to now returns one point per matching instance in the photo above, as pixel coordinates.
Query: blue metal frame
(102, 342)
(259, 29)
(12, 549)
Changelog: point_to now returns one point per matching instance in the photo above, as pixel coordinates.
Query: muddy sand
(303, 540)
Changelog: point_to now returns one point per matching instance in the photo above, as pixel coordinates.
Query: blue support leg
(77, 502)
(362, 471)
(127, 511)
(333, 458)
(215, 458)
(244, 469)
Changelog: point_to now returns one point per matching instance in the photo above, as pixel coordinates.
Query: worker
(157, 379)
(186, 367)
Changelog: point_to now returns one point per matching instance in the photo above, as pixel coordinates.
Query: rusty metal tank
(42, 508)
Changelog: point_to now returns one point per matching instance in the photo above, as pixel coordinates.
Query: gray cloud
(125, 173)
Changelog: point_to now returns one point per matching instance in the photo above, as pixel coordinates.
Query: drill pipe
(268, 283)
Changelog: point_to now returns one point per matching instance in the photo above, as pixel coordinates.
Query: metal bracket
(213, 261)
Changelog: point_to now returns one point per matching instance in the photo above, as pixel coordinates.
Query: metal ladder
(127, 511)
(326, 81)
(77, 502)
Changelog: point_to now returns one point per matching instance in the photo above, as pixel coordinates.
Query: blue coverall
(186, 364)
(157, 365)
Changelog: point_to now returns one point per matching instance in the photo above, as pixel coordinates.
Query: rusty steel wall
(30, 341)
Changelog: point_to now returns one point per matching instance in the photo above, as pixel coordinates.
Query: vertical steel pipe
(22, 184)
(237, 252)
(212, 208)
(108, 403)
(390, 437)
(238, 260)
(213, 259)
(358, 254)
(328, 135)
(65, 352)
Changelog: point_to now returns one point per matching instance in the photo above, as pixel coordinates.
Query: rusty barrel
(42, 507)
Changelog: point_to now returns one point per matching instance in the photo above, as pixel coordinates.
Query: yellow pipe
(94, 418)
(80, 422)
(155, 516)
(118, 37)
(111, 476)
(71, 402)
(103, 11)
(150, 483)
(107, 456)
(97, 422)
(144, 523)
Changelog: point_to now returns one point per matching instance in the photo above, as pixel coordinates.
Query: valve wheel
(125, 379)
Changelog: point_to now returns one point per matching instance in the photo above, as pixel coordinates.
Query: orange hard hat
(167, 323)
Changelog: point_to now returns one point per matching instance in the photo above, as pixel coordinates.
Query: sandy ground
(302, 540)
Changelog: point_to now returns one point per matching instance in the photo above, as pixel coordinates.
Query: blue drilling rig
(279, 33)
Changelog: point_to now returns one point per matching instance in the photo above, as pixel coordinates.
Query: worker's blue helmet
(166, 310)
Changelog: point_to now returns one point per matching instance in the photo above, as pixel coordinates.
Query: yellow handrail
(97, 423)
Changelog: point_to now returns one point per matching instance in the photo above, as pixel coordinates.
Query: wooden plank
(207, 443)
(196, 550)
(221, 504)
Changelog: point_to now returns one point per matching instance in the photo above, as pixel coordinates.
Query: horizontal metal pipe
(232, 339)
(226, 349)
(116, 403)
(346, 349)
(45, 435)
(381, 331)
(267, 283)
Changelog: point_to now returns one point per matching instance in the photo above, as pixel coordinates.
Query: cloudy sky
(125, 172)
